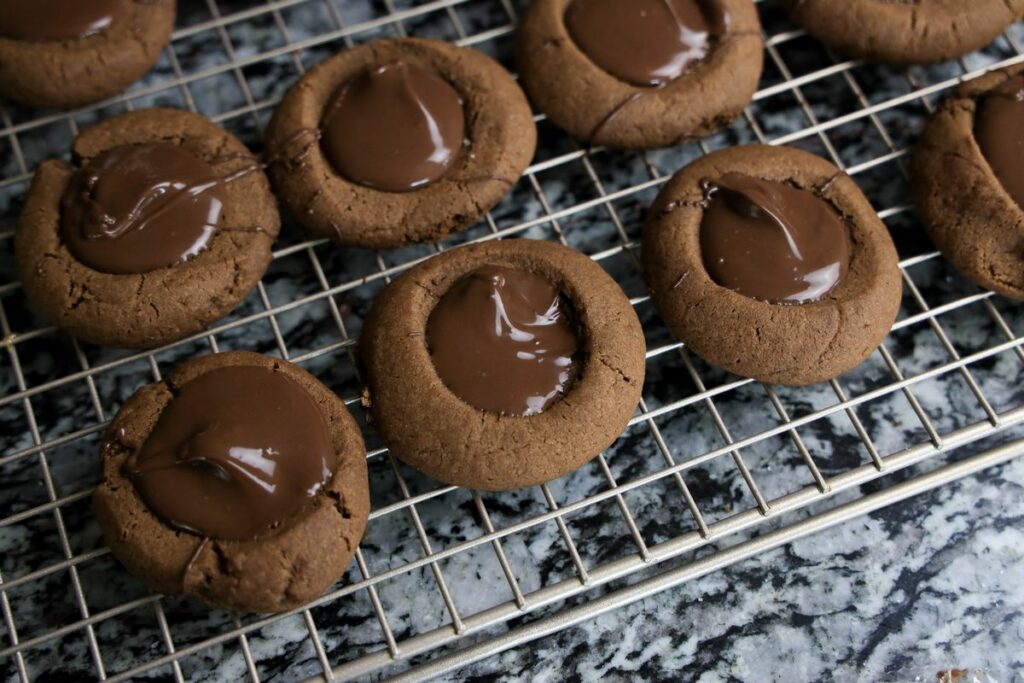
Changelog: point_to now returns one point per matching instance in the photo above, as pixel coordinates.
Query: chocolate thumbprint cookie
(162, 224)
(770, 262)
(640, 74)
(239, 480)
(399, 141)
(502, 364)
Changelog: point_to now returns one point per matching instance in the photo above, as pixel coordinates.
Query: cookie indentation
(238, 452)
(397, 128)
(57, 19)
(137, 208)
(503, 340)
(1000, 134)
(771, 241)
(645, 42)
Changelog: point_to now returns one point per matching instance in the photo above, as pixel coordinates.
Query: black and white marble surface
(932, 583)
(923, 590)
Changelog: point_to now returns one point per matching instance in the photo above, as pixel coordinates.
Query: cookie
(399, 141)
(969, 180)
(162, 225)
(769, 262)
(254, 505)
(66, 53)
(905, 31)
(502, 364)
(641, 74)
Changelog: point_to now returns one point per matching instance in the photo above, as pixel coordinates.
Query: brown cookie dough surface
(793, 344)
(967, 211)
(602, 109)
(271, 574)
(500, 138)
(70, 72)
(160, 306)
(428, 426)
(905, 31)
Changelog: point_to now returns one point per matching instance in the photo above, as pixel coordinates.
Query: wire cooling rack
(713, 468)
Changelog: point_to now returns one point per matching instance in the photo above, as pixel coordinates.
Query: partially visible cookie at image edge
(642, 74)
(902, 32)
(67, 53)
(968, 180)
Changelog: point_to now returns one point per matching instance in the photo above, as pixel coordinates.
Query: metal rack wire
(709, 457)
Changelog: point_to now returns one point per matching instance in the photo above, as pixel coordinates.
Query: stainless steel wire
(565, 191)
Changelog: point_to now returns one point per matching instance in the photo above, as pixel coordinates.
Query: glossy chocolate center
(237, 453)
(138, 208)
(645, 42)
(503, 341)
(771, 241)
(999, 130)
(57, 19)
(394, 128)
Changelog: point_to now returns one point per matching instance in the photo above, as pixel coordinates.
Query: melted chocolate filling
(138, 208)
(238, 453)
(645, 42)
(771, 241)
(503, 340)
(999, 130)
(52, 20)
(395, 128)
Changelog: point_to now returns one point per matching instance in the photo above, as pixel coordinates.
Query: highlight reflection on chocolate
(396, 128)
(999, 130)
(645, 42)
(771, 241)
(236, 454)
(503, 341)
(41, 20)
(138, 208)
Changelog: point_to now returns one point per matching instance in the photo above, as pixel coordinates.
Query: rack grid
(710, 463)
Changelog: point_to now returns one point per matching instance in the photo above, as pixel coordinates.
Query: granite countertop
(930, 587)
(931, 583)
